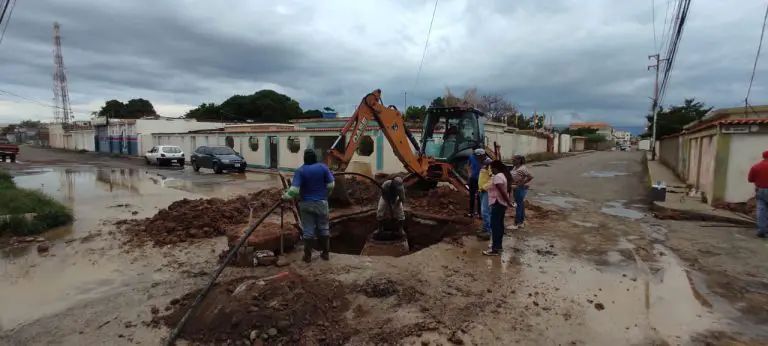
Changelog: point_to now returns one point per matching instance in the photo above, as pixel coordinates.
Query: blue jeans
(519, 195)
(485, 211)
(497, 225)
(314, 219)
(761, 198)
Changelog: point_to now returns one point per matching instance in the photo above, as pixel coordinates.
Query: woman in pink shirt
(499, 200)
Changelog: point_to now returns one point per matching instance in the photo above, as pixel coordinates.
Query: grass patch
(17, 202)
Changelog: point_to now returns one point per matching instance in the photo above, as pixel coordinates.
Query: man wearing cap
(312, 183)
(758, 175)
(391, 204)
(474, 173)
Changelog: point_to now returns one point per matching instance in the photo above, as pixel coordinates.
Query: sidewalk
(678, 202)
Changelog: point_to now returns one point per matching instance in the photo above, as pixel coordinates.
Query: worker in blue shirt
(312, 183)
(474, 173)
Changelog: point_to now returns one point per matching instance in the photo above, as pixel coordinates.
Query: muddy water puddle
(618, 209)
(84, 261)
(603, 174)
(559, 201)
(618, 303)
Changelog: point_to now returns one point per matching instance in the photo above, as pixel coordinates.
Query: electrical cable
(5, 8)
(757, 57)
(426, 43)
(653, 19)
(7, 21)
(671, 52)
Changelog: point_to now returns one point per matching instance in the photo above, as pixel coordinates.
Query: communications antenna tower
(62, 112)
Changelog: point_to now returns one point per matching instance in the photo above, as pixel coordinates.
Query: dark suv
(218, 158)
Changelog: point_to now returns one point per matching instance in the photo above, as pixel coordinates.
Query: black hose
(175, 334)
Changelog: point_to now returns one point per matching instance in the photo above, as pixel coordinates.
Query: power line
(7, 21)
(671, 52)
(757, 57)
(653, 18)
(5, 8)
(28, 99)
(426, 43)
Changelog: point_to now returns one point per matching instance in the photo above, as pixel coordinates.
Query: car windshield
(222, 151)
(171, 150)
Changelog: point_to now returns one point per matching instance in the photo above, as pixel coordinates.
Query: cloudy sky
(573, 59)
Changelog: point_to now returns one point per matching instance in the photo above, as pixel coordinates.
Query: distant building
(602, 128)
(622, 137)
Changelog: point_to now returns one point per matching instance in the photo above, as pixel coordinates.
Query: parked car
(217, 158)
(8, 149)
(162, 155)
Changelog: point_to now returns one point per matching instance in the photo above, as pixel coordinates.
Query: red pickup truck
(8, 149)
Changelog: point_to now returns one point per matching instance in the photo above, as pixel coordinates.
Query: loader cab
(451, 133)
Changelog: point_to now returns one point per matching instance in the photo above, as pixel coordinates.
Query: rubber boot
(325, 247)
(400, 229)
(309, 244)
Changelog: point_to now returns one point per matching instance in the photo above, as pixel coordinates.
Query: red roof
(594, 125)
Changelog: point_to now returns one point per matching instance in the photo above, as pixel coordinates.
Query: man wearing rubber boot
(390, 206)
(312, 183)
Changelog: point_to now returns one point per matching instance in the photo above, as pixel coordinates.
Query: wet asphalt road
(658, 281)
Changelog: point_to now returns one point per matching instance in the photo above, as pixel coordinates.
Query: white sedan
(165, 154)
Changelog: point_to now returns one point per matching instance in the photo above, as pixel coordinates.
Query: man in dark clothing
(312, 183)
(390, 207)
(474, 173)
(758, 175)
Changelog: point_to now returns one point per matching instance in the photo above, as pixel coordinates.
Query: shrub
(17, 202)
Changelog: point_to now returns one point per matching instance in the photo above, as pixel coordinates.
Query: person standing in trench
(312, 183)
(499, 200)
(758, 175)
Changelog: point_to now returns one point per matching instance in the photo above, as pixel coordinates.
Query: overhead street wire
(7, 20)
(757, 57)
(426, 43)
(681, 14)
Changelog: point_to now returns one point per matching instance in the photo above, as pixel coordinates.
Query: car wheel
(146, 159)
(195, 167)
(181, 164)
(13, 158)
(242, 170)
(216, 168)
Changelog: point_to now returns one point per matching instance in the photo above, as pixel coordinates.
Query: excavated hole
(350, 234)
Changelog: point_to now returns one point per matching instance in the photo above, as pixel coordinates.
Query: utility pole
(405, 101)
(655, 103)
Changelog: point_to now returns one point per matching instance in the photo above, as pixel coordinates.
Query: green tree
(581, 131)
(33, 124)
(416, 113)
(261, 106)
(437, 102)
(312, 114)
(672, 120)
(137, 108)
(113, 109)
(522, 122)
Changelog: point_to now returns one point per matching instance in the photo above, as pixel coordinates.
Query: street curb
(699, 216)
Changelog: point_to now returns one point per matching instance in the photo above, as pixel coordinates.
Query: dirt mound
(749, 207)
(198, 218)
(443, 200)
(289, 310)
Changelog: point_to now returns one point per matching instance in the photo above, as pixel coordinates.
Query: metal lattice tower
(62, 112)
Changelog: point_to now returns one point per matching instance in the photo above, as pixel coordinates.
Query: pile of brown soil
(749, 207)
(198, 218)
(290, 310)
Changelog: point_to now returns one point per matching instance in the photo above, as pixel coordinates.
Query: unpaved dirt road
(600, 271)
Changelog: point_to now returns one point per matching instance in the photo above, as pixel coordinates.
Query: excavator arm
(390, 122)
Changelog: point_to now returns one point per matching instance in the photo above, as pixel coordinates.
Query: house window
(293, 143)
(253, 142)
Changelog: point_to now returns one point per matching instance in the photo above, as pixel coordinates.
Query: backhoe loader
(449, 137)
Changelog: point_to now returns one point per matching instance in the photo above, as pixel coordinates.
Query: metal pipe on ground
(176, 331)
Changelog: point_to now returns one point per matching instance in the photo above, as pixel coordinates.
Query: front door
(273, 152)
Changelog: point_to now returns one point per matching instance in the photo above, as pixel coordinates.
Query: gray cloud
(574, 60)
